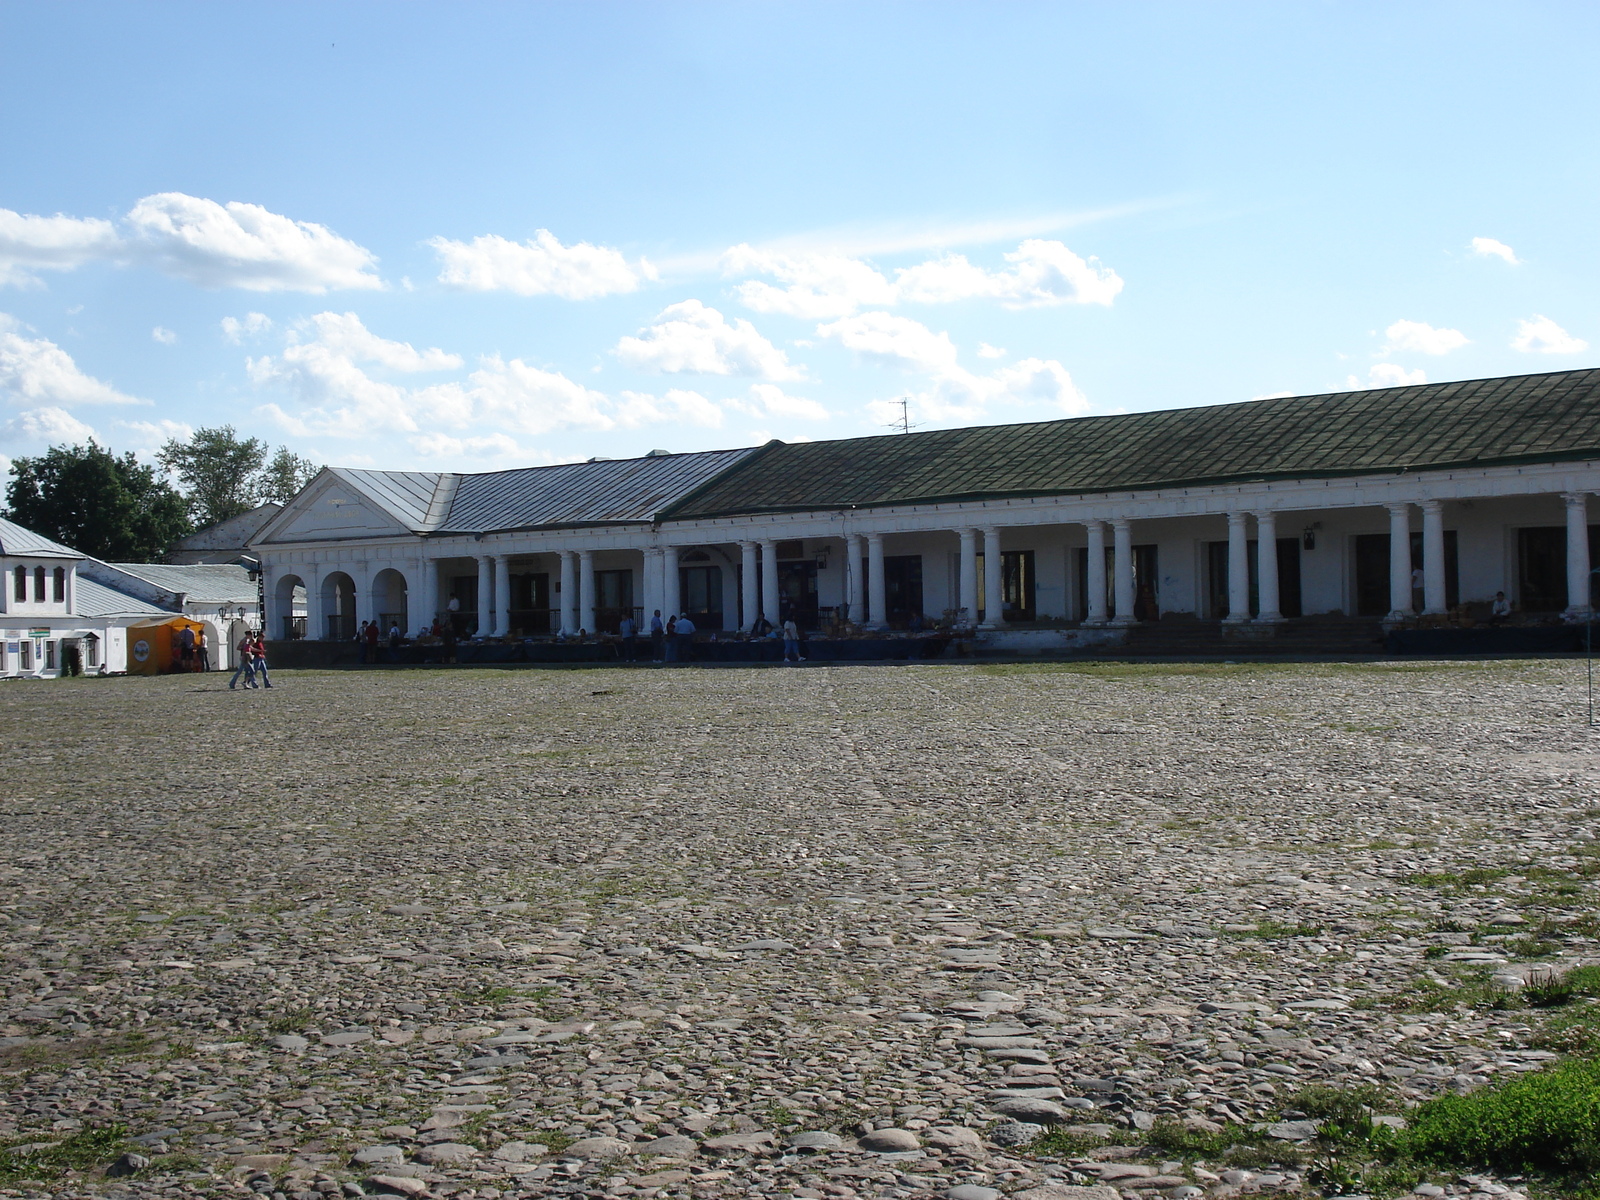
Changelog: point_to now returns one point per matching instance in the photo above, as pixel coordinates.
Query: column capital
(1237, 516)
(1121, 524)
(1431, 506)
(874, 538)
(748, 544)
(1270, 515)
(1398, 508)
(1574, 499)
(1093, 523)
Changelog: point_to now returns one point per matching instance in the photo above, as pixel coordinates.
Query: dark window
(38, 585)
(1288, 578)
(1017, 585)
(60, 583)
(1146, 597)
(1372, 574)
(613, 593)
(797, 593)
(902, 579)
(20, 591)
(701, 592)
(49, 656)
(530, 603)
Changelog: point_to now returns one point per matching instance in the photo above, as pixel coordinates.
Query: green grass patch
(295, 1020)
(1058, 1143)
(83, 1151)
(35, 1055)
(1457, 881)
(1276, 930)
(1546, 1121)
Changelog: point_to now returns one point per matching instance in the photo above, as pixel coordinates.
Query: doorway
(1288, 578)
(701, 592)
(797, 593)
(902, 586)
(613, 596)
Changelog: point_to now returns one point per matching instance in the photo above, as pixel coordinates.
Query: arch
(289, 608)
(389, 599)
(339, 606)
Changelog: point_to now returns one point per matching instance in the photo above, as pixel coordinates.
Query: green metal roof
(1479, 422)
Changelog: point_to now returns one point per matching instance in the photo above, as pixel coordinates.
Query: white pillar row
(1238, 569)
(569, 592)
(670, 583)
(586, 613)
(969, 575)
(748, 597)
(877, 591)
(1399, 562)
(1122, 570)
(485, 595)
(1094, 576)
(427, 593)
(769, 579)
(1267, 567)
(1577, 554)
(855, 578)
(993, 581)
(502, 595)
(1433, 589)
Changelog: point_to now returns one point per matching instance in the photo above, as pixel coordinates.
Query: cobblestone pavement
(853, 931)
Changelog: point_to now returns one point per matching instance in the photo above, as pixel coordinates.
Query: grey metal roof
(94, 599)
(587, 493)
(207, 584)
(406, 495)
(25, 543)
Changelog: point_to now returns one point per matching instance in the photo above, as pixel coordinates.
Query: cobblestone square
(811, 932)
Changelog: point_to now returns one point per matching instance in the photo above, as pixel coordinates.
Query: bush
(1545, 1121)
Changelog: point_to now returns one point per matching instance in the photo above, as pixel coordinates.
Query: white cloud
(37, 371)
(150, 436)
(442, 445)
(770, 400)
(1383, 375)
(165, 336)
(541, 266)
(678, 406)
(54, 426)
(1275, 395)
(525, 398)
(1541, 335)
(1490, 248)
(58, 243)
(889, 340)
(254, 325)
(1423, 338)
(246, 246)
(987, 351)
(817, 285)
(691, 338)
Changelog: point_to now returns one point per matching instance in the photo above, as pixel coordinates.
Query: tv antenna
(903, 423)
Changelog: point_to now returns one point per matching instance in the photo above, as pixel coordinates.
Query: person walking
(791, 641)
(202, 652)
(685, 636)
(669, 642)
(658, 635)
(247, 663)
(258, 648)
(630, 636)
(372, 635)
(361, 644)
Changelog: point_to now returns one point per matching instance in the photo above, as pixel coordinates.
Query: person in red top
(258, 652)
(372, 635)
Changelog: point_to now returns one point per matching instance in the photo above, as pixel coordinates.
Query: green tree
(283, 476)
(90, 499)
(218, 472)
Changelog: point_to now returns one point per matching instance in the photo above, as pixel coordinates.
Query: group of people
(252, 661)
(194, 653)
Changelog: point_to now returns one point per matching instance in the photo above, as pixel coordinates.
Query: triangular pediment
(331, 508)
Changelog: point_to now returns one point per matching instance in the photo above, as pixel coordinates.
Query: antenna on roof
(904, 424)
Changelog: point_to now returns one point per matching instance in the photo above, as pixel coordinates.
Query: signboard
(140, 650)
(39, 632)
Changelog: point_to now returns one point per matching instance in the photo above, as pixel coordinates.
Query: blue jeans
(247, 668)
(791, 647)
(261, 670)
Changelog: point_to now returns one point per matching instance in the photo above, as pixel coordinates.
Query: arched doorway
(389, 599)
(289, 596)
(339, 605)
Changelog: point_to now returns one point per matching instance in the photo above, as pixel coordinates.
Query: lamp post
(1588, 641)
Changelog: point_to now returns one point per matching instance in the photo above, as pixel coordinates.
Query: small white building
(223, 597)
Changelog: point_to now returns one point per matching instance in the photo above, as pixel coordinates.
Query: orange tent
(153, 645)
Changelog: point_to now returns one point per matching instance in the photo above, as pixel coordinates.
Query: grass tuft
(1547, 1121)
(83, 1151)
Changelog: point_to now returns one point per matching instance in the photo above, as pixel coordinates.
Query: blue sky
(478, 236)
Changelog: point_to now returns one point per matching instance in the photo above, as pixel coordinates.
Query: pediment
(330, 510)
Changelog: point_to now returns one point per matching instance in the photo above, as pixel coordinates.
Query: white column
(1122, 570)
(586, 615)
(993, 581)
(485, 595)
(652, 588)
(747, 586)
(877, 592)
(1238, 569)
(502, 595)
(316, 626)
(1399, 562)
(769, 579)
(1267, 566)
(1094, 576)
(569, 592)
(1433, 589)
(1577, 555)
(969, 574)
(670, 583)
(857, 579)
(427, 592)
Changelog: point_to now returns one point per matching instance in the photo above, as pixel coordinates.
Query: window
(27, 651)
(21, 589)
(38, 585)
(91, 651)
(60, 586)
(49, 656)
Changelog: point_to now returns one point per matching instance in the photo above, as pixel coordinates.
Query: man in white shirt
(685, 635)
(791, 641)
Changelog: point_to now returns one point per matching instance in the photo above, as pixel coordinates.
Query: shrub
(1544, 1121)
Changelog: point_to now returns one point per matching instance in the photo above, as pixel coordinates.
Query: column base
(1270, 619)
(1232, 620)
(876, 626)
(1396, 616)
(1123, 622)
(1577, 616)
(1093, 623)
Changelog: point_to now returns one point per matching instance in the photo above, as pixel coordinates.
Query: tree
(218, 472)
(283, 476)
(105, 506)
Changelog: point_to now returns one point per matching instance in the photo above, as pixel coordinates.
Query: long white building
(1394, 504)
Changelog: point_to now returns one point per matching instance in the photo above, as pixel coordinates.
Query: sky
(479, 236)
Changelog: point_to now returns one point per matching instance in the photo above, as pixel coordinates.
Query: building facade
(1397, 504)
